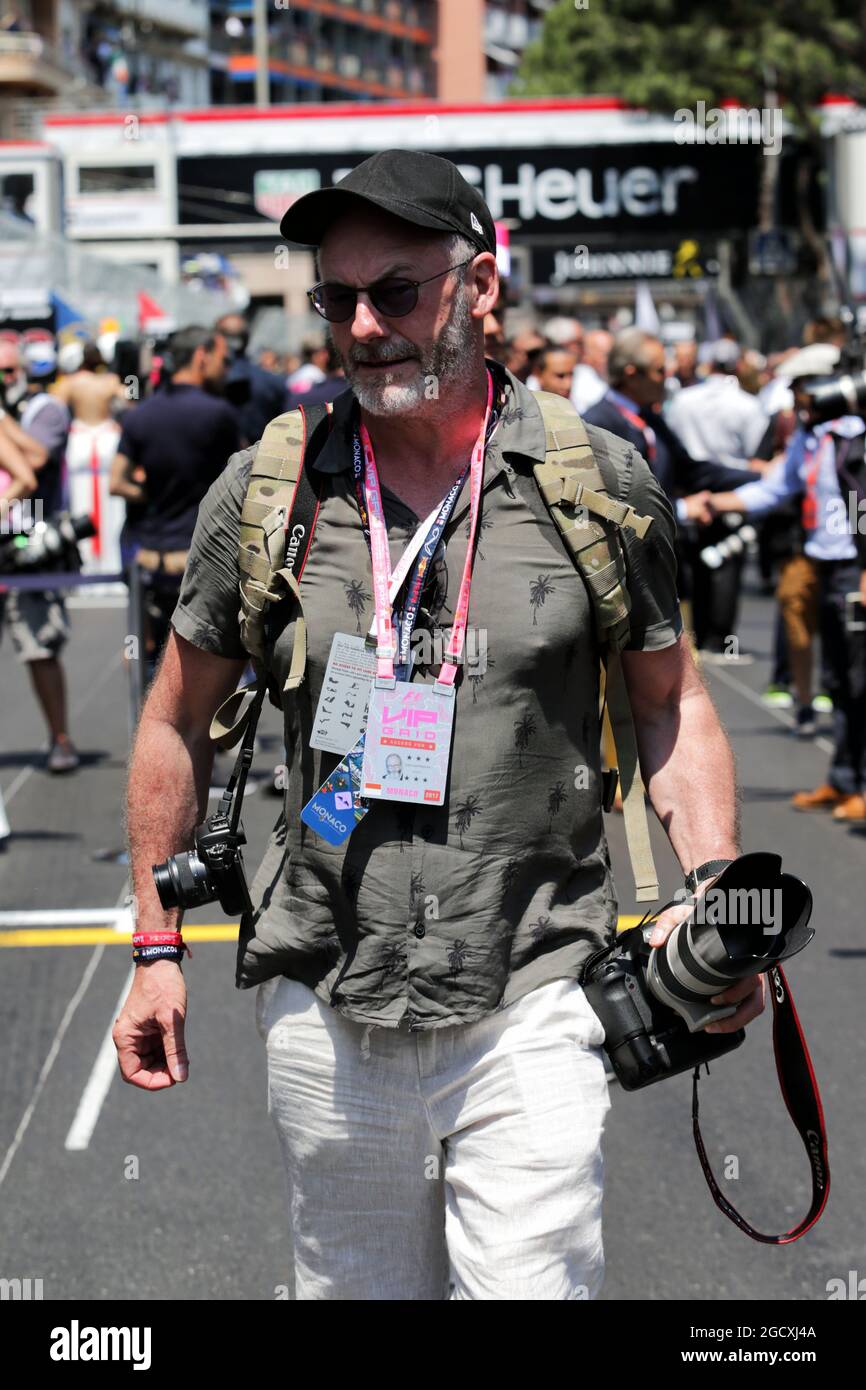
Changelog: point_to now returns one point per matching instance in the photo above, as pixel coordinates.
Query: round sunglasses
(393, 296)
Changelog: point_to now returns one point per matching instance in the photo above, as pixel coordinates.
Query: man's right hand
(149, 1031)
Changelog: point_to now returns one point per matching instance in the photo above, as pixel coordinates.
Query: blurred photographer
(823, 467)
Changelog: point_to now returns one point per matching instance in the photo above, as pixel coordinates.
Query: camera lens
(183, 881)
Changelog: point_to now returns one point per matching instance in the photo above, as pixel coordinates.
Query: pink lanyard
(381, 559)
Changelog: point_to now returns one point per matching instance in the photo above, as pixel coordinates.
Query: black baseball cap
(424, 189)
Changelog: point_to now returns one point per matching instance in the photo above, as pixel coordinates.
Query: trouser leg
(522, 1098)
(845, 661)
(797, 593)
(362, 1162)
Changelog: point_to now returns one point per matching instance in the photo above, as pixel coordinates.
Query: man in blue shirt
(824, 466)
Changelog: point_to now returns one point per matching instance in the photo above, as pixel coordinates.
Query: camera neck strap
(802, 1098)
(234, 792)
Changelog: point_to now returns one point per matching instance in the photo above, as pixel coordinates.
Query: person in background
(271, 361)
(520, 350)
(494, 337)
(173, 447)
(630, 408)
(37, 619)
(590, 376)
(13, 380)
(717, 419)
(565, 333)
(93, 396)
(332, 385)
(554, 370)
(751, 371)
(313, 368)
(255, 395)
(824, 468)
(827, 329)
(685, 365)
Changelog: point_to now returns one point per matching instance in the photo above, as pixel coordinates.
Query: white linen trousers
(454, 1163)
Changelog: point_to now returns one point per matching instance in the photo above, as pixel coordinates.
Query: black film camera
(213, 871)
(45, 545)
(654, 1001)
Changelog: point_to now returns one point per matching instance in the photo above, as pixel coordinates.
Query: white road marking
(50, 1060)
(823, 743)
(98, 1083)
(118, 917)
(105, 1066)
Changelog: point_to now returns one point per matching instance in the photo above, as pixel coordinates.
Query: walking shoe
(822, 704)
(777, 697)
(852, 810)
(806, 724)
(63, 757)
(823, 798)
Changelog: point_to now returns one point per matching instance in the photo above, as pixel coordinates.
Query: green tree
(674, 53)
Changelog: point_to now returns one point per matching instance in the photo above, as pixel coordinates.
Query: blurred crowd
(725, 429)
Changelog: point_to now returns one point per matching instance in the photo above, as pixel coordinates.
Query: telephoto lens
(751, 917)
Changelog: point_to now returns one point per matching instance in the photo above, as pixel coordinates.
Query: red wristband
(157, 938)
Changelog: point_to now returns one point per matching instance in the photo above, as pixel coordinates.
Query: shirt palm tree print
(463, 814)
(540, 930)
(456, 957)
(540, 588)
(556, 799)
(484, 524)
(524, 729)
(475, 678)
(357, 597)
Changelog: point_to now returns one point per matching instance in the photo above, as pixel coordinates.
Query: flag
(64, 314)
(645, 316)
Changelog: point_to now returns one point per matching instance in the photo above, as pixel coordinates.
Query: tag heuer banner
(274, 190)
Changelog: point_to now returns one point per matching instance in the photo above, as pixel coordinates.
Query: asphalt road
(181, 1195)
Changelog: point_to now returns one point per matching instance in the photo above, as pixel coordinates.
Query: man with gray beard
(435, 1071)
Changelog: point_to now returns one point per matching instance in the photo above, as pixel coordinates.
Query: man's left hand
(750, 993)
(863, 586)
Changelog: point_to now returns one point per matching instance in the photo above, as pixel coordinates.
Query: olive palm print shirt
(431, 916)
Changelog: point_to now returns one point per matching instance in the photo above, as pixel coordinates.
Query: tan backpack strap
(633, 805)
(574, 491)
(271, 497)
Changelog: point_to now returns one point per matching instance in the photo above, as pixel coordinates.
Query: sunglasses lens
(336, 303)
(394, 298)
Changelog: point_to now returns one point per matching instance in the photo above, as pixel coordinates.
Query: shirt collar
(622, 402)
(519, 432)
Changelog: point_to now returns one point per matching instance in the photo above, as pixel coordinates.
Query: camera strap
(234, 791)
(803, 1101)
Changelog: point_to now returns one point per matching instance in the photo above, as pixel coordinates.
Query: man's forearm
(688, 770)
(168, 787)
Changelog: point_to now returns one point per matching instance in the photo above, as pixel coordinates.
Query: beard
(447, 360)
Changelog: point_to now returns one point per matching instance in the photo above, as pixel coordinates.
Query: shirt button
(420, 930)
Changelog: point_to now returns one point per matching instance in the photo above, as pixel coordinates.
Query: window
(116, 178)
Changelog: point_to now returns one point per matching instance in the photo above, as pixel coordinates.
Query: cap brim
(307, 221)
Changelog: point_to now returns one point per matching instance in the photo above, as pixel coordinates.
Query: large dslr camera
(44, 545)
(654, 1002)
(213, 871)
(844, 393)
